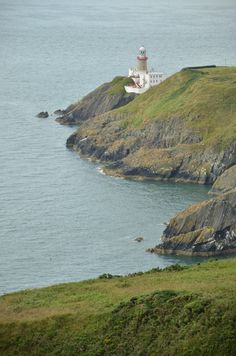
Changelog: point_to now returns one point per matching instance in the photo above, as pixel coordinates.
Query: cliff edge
(107, 97)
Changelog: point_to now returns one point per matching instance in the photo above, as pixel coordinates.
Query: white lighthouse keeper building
(142, 78)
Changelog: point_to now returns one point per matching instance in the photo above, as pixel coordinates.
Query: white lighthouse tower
(142, 78)
(142, 60)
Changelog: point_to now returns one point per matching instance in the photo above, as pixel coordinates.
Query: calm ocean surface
(61, 219)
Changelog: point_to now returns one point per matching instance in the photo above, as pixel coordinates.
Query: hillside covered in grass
(183, 129)
(176, 311)
(204, 98)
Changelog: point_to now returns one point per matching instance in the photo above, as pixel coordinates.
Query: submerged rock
(204, 229)
(139, 239)
(42, 115)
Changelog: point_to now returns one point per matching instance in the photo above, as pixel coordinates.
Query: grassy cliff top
(182, 311)
(118, 85)
(205, 98)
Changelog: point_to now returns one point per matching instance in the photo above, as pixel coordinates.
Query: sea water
(61, 220)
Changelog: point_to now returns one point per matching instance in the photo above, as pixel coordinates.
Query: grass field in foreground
(181, 311)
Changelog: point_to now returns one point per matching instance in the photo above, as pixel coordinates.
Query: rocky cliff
(225, 182)
(205, 229)
(183, 129)
(105, 98)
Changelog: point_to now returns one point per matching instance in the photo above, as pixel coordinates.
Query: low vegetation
(176, 311)
(118, 85)
(204, 98)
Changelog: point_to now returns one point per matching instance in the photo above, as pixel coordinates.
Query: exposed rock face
(205, 229)
(105, 98)
(225, 182)
(59, 112)
(165, 149)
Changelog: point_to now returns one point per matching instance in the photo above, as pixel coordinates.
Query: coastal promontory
(205, 229)
(183, 130)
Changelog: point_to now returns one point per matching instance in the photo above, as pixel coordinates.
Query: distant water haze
(61, 219)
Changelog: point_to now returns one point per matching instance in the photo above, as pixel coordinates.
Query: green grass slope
(178, 311)
(118, 85)
(204, 98)
(183, 129)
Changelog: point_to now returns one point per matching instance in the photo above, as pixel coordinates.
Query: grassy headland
(183, 129)
(204, 98)
(178, 311)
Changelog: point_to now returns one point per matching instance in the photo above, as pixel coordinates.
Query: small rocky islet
(183, 130)
(42, 115)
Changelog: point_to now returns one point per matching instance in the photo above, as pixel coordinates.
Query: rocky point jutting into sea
(181, 130)
(206, 229)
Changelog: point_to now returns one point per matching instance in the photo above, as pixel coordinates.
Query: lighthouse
(142, 78)
(142, 60)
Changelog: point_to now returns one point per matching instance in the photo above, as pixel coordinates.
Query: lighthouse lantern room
(142, 78)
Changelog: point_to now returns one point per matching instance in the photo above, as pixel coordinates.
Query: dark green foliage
(170, 268)
(168, 323)
(108, 276)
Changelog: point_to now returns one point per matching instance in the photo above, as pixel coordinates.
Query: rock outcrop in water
(207, 228)
(42, 115)
(105, 98)
(204, 229)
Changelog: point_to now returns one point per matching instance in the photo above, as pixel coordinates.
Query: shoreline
(168, 252)
(116, 174)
